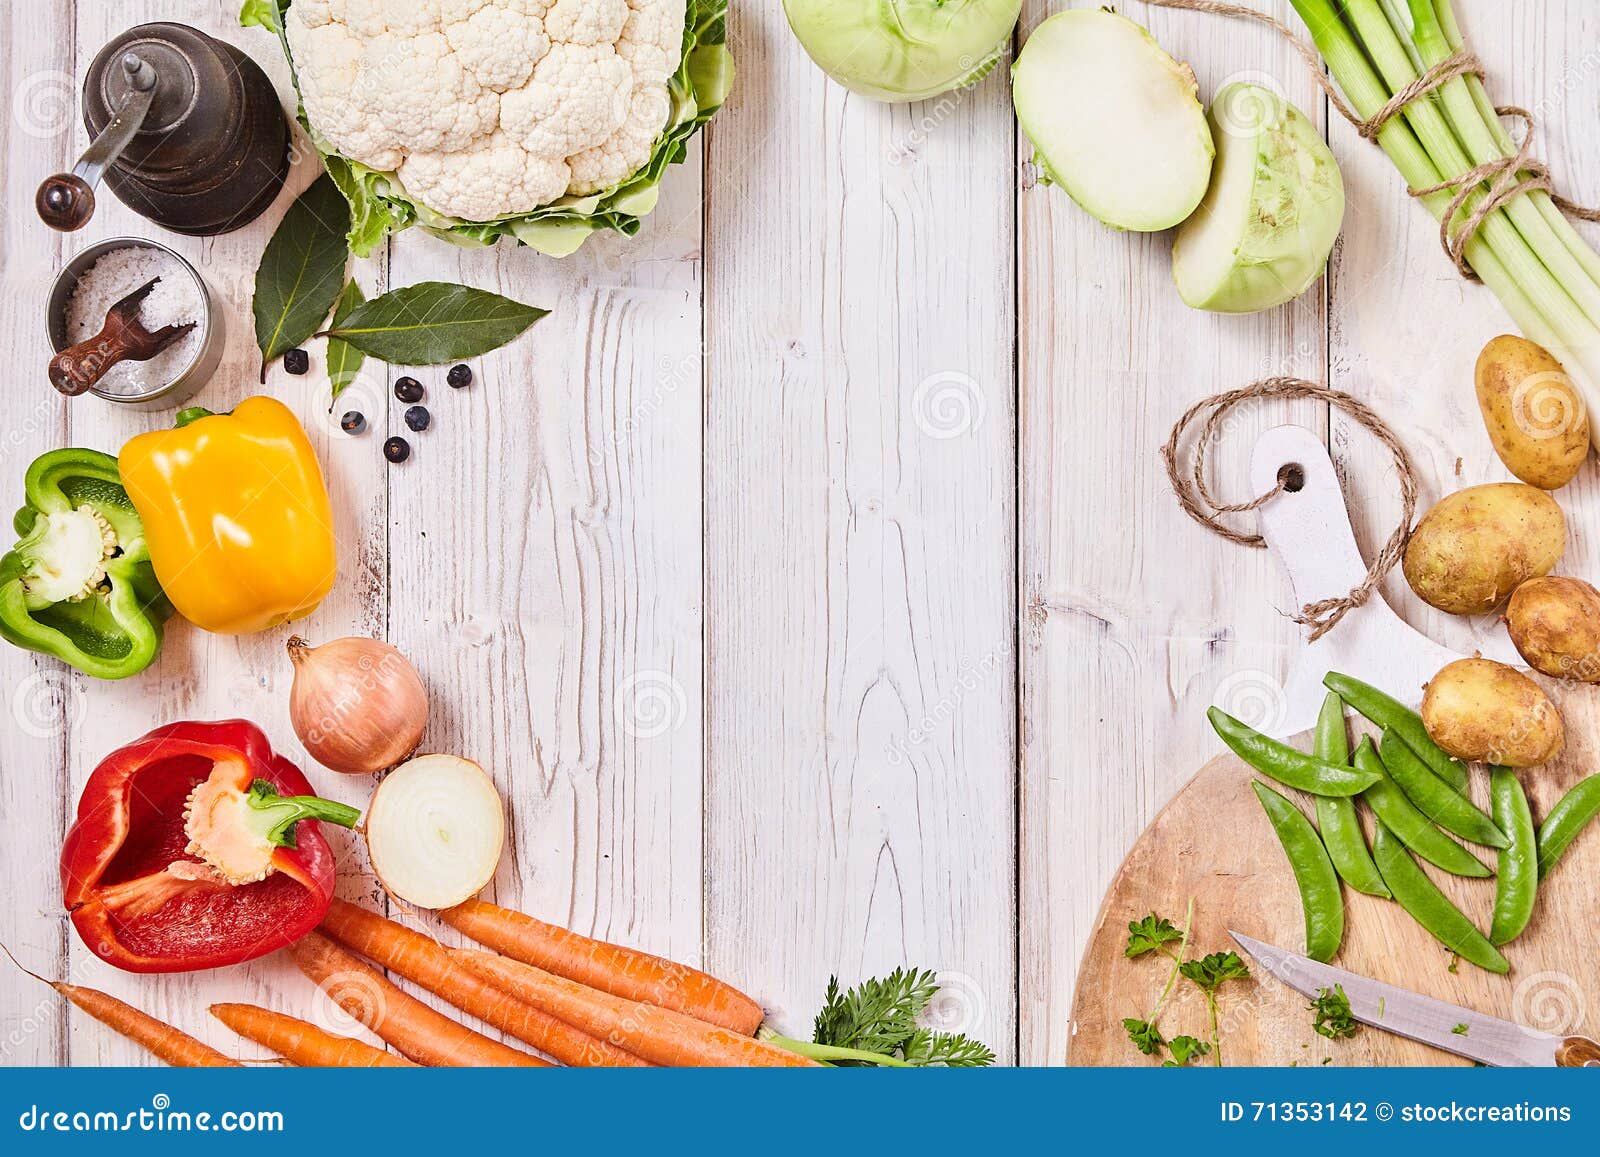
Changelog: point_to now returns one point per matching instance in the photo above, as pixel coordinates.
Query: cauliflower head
(542, 120)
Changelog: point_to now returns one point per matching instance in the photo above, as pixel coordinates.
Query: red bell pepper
(141, 898)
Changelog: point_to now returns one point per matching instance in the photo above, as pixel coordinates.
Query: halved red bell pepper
(138, 896)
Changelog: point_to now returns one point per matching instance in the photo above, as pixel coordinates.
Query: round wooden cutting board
(1213, 843)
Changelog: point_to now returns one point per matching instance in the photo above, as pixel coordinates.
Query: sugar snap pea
(1409, 825)
(1336, 816)
(1516, 885)
(1566, 821)
(1430, 907)
(1320, 896)
(1435, 798)
(1388, 712)
(1283, 763)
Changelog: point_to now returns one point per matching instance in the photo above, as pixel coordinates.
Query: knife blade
(1396, 1010)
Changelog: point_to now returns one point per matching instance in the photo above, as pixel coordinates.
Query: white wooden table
(808, 580)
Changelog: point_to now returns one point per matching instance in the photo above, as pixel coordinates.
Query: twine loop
(1200, 502)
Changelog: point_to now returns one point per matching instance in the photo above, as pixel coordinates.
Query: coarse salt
(175, 300)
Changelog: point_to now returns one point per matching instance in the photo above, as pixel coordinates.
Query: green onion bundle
(1526, 251)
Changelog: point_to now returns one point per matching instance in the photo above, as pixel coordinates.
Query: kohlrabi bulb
(904, 50)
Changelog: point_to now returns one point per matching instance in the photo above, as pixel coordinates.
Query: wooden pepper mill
(187, 131)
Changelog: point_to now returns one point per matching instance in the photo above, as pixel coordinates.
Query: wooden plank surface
(807, 580)
(1134, 619)
(859, 537)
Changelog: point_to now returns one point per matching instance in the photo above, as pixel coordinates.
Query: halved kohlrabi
(1114, 120)
(1264, 232)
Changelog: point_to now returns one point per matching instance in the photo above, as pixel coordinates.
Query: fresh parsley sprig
(1209, 974)
(1155, 933)
(878, 1022)
(1333, 1017)
(1184, 1050)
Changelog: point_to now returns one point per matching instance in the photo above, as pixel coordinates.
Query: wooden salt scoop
(76, 369)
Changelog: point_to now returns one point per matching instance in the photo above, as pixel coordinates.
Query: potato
(1535, 416)
(1555, 623)
(1478, 545)
(1486, 712)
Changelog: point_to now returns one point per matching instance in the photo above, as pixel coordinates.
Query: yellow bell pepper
(236, 515)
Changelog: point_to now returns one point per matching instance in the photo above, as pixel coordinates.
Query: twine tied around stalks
(1507, 177)
(1199, 501)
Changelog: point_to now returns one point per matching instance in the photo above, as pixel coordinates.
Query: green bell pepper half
(78, 584)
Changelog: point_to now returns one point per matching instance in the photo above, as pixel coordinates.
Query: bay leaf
(434, 322)
(301, 270)
(344, 360)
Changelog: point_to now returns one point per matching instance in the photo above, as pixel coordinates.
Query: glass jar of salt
(103, 275)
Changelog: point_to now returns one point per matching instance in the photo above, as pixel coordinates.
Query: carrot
(426, 1036)
(178, 1049)
(171, 1045)
(657, 1034)
(303, 1044)
(608, 967)
(422, 961)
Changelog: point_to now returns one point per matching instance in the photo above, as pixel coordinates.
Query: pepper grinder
(186, 129)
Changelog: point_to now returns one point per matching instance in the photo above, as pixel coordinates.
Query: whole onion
(357, 704)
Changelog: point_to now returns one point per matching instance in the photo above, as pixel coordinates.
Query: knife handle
(1578, 1052)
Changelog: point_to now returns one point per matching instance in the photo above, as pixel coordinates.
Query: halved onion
(435, 830)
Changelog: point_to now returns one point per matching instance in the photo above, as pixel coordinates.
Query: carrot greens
(878, 1022)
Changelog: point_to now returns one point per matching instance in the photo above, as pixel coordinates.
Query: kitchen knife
(1461, 1031)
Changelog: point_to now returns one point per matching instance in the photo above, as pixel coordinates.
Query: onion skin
(357, 705)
